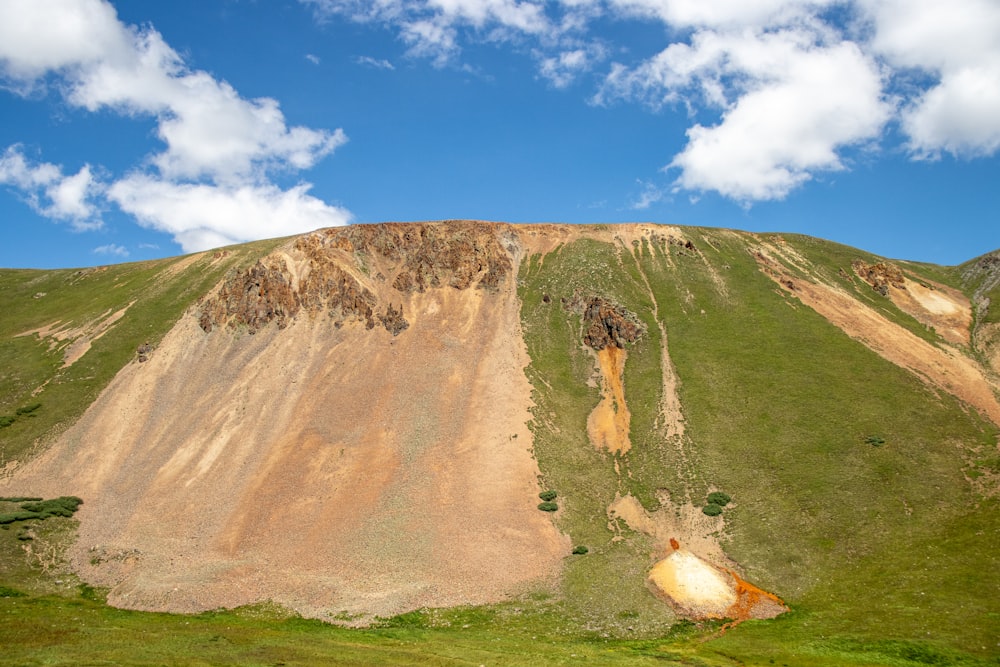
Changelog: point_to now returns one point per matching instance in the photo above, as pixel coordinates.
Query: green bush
(7, 420)
(875, 441)
(64, 506)
(548, 496)
(11, 517)
(718, 498)
(548, 506)
(6, 592)
(28, 409)
(712, 509)
(580, 550)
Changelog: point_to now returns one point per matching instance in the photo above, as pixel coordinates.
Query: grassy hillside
(867, 543)
(858, 492)
(79, 302)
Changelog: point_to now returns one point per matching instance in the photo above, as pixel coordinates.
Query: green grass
(861, 536)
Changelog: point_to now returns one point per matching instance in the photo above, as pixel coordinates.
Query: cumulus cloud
(782, 89)
(51, 193)
(732, 14)
(216, 141)
(794, 105)
(201, 216)
(958, 43)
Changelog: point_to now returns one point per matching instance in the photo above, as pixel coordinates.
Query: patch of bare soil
(942, 308)
(943, 368)
(76, 341)
(328, 466)
(608, 423)
(699, 581)
(679, 521)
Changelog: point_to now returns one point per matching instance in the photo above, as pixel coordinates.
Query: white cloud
(650, 194)
(314, 59)
(958, 43)
(210, 131)
(376, 63)
(562, 69)
(37, 37)
(792, 84)
(433, 28)
(50, 193)
(796, 104)
(111, 249)
(725, 14)
(219, 146)
(201, 216)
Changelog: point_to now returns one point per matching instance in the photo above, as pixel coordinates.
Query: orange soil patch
(608, 423)
(753, 602)
(699, 590)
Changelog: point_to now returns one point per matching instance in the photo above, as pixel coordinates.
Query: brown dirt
(76, 341)
(942, 308)
(673, 521)
(233, 468)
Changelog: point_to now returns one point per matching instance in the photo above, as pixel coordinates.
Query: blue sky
(135, 130)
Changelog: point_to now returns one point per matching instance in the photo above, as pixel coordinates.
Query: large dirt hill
(359, 421)
(366, 452)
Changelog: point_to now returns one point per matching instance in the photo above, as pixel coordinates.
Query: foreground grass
(55, 630)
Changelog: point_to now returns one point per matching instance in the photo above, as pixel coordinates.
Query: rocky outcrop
(252, 298)
(393, 320)
(608, 325)
(411, 258)
(454, 254)
(880, 276)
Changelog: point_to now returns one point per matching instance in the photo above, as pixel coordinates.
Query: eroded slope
(298, 452)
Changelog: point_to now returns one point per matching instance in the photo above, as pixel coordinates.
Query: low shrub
(19, 499)
(28, 409)
(580, 550)
(35, 508)
(875, 441)
(7, 420)
(718, 498)
(6, 592)
(548, 495)
(64, 506)
(712, 509)
(11, 517)
(548, 506)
